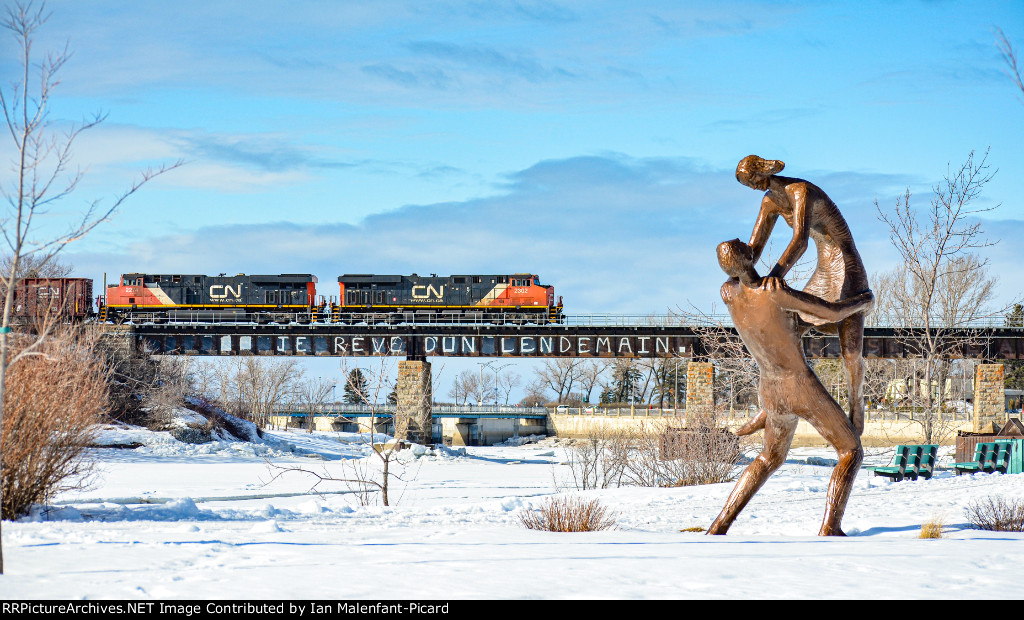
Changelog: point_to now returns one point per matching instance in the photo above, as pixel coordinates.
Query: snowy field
(210, 521)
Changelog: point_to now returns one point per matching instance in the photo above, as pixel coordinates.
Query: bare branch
(1009, 56)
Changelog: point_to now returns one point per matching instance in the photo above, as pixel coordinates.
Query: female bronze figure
(839, 273)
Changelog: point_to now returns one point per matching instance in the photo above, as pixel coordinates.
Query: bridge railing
(388, 409)
(639, 410)
(592, 319)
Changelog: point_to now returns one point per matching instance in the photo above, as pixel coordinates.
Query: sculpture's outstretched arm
(763, 227)
(797, 194)
(805, 303)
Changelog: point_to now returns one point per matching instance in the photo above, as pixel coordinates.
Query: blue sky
(593, 143)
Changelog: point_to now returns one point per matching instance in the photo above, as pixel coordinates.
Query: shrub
(701, 453)
(598, 460)
(931, 529)
(568, 514)
(651, 455)
(54, 397)
(997, 514)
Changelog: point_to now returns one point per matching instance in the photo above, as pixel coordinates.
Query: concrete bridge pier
(415, 394)
(461, 430)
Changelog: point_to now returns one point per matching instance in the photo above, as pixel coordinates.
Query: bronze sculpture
(839, 273)
(765, 313)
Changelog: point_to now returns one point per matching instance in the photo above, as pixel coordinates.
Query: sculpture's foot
(718, 529)
(831, 531)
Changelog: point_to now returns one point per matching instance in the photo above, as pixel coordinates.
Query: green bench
(989, 457)
(910, 461)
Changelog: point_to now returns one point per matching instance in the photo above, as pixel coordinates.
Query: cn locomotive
(517, 298)
(141, 297)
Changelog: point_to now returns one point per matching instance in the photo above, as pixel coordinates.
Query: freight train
(517, 298)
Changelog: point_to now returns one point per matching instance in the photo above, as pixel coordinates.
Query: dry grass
(932, 529)
(997, 514)
(54, 398)
(568, 514)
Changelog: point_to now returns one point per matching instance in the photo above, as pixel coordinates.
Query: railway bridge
(580, 336)
(635, 336)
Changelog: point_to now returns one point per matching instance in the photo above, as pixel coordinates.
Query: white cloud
(611, 233)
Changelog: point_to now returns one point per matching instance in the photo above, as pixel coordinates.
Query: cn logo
(422, 291)
(223, 291)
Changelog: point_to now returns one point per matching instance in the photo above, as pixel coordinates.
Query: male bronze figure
(839, 273)
(765, 313)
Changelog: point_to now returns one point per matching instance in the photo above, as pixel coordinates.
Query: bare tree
(361, 477)
(1009, 56)
(467, 387)
(42, 175)
(941, 285)
(536, 394)
(313, 395)
(736, 373)
(508, 382)
(249, 387)
(590, 378)
(599, 460)
(560, 375)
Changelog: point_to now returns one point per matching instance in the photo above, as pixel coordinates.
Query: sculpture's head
(755, 172)
(735, 257)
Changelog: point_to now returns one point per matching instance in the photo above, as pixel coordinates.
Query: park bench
(910, 461)
(994, 456)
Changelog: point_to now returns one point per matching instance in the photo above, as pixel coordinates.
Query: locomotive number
(520, 291)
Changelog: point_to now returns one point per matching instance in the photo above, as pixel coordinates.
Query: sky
(591, 143)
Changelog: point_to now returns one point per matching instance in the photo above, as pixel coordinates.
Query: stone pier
(989, 396)
(700, 384)
(415, 395)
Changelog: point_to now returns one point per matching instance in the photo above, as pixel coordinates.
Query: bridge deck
(419, 341)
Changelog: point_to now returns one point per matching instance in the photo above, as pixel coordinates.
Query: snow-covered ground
(226, 520)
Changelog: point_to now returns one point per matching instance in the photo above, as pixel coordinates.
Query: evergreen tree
(1014, 369)
(356, 387)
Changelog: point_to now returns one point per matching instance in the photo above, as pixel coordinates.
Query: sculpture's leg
(778, 435)
(851, 343)
(832, 424)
